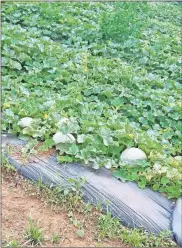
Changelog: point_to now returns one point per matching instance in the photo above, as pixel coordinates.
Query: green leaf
(65, 159)
(142, 182)
(156, 186)
(16, 65)
(73, 149)
(48, 143)
(164, 180)
(81, 138)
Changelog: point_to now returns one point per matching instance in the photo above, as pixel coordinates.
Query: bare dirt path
(18, 206)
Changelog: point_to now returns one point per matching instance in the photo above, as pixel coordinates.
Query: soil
(18, 206)
(16, 152)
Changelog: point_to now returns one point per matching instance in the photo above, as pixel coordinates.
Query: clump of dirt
(18, 206)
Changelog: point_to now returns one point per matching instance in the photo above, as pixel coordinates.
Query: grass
(33, 236)
(33, 233)
(13, 243)
(55, 238)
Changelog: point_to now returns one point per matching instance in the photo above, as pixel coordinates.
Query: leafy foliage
(56, 63)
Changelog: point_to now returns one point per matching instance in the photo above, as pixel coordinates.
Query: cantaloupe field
(94, 79)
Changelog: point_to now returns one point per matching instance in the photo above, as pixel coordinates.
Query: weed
(88, 208)
(9, 168)
(6, 165)
(29, 149)
(77, 223)
(68, 197)
(108, 227)
(40, 185)
(80, 233)
(99, 207)
(55, 238)
(123, 21)
(138, 238)
(13, 243)
(6, 218)
(33, 233)
(65, 198)
(134, 237)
